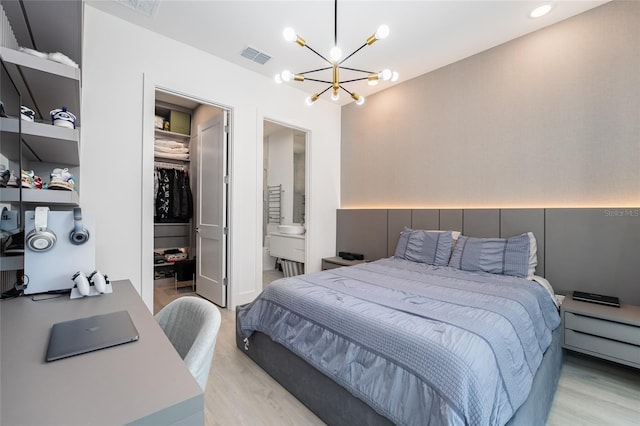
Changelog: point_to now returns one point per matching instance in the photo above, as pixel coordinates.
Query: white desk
(142, 383)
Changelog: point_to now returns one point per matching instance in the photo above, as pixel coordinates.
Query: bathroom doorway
(284, 190)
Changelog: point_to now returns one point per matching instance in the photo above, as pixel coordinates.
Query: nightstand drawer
(599, 345)
(599, 327)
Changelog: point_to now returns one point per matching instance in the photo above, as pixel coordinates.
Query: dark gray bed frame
(591, 250)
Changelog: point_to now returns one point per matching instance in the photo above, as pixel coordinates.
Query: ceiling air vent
(146, 7)
(255, 55)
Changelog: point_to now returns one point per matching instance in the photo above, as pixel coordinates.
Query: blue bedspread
(420, 344)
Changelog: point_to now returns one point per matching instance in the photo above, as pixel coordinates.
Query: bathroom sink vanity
(287, 246)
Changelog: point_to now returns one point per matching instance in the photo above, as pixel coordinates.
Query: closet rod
(163, 165)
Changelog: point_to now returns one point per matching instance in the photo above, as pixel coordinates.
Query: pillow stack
(515, 256)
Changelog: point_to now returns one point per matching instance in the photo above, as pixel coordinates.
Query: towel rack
(274, 198)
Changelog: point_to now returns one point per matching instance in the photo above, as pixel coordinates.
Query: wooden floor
(590, 391)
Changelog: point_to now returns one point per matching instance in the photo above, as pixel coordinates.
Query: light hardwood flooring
(590, 392)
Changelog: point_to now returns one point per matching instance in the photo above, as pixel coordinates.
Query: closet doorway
(190, 215)
(285, 186)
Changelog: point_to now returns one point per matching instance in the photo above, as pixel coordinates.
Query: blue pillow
(430, 247)
(514, 256)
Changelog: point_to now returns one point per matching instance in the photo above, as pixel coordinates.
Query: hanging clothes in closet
(173, 199)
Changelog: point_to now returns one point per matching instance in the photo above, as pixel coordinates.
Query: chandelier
(335, 65)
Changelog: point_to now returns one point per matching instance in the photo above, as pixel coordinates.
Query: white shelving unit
(168, 235)
(43, 85)
(43, 141)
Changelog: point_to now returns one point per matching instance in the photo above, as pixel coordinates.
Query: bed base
(336, 406)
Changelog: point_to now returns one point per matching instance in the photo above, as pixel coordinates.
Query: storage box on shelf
(176, 119)
(602, 331)
(179, 122)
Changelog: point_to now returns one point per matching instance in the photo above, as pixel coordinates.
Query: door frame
(307, 184)
(150, 85)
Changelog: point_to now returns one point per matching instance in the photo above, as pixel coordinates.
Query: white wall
(120, 62)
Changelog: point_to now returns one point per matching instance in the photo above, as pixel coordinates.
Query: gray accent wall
(595, 250)
(548, 119)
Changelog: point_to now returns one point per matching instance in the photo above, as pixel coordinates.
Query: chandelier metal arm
(335, 23)
(342, 87)
(355, 79)
(313, 50)
(357, 70)
(352, 53)
(319, 69)
(318, 81)
(319, 94)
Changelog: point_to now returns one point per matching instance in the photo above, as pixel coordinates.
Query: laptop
(79, 336)
(596, 298)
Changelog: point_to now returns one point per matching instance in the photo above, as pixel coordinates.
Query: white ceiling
(425, 35)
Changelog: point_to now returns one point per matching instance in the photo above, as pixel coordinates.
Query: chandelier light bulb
(286, 75)
(359, 99)
(386, 74)
(308, 101)
(335, 53)
(289, 34)
(277, 79)
(372, 82)
(382, 32)
(395, 76)
(335, 96)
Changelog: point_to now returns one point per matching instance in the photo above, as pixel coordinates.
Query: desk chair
(192, 325)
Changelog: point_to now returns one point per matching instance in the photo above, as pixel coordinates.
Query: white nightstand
(602, 331)
(337, 262)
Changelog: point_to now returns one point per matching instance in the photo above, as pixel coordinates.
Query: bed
(448, 331)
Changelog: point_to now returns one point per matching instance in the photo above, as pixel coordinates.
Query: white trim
(150, 86)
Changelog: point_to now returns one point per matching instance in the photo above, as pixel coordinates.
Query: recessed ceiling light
(541, 10)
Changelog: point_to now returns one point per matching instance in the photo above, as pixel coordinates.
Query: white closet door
(211, 210)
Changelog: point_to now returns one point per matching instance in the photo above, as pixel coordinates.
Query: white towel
(181, 150)
(171, 156)
(168, 143)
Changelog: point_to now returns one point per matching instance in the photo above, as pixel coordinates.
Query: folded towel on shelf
(53, 56)
(168, 155)
(167, 143)
(182, 150)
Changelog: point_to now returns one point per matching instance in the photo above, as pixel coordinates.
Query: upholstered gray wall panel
(451, 220)
(428, 219)
(594, 250)
(518, 221)
(397, 220)
(482, 223)
(362, 231)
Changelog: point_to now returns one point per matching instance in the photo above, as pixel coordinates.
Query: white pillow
(546, 285)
